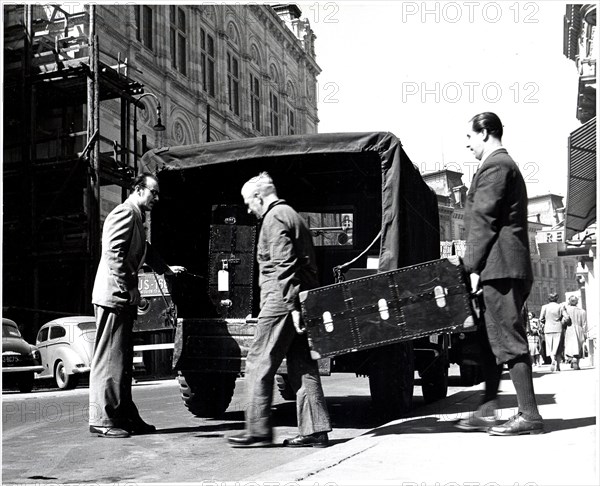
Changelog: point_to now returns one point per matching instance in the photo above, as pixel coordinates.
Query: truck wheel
(391, 379)
(206, 394)
(434, 380)
(284, 386)
(470, 374)
(25, 383)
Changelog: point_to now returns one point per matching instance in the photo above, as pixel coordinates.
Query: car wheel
(64, 381)
(25, 383)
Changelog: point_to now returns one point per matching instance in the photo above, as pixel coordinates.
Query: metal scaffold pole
(93, 100)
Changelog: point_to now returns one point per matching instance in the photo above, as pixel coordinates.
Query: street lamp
(158, 127)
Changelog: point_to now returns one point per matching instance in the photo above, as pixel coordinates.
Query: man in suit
(286, 260)
(115, 297)
(497, 258)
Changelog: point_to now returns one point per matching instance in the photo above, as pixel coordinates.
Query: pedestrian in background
(576, 333)
(115, 297)
(286, 260)
(533, 338)
(554, 317)
(498, 260)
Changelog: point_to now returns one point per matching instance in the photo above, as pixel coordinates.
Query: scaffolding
(55, 157)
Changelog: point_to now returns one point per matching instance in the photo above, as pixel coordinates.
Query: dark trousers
(111, 403)
(275, 339)
(504, 340)
(504, 324)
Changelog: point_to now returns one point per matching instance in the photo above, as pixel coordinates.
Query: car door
(41, 342)
(57, 341)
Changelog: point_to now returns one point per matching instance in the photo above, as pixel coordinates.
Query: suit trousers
(506, 331)
(275, 339)
(111, 402)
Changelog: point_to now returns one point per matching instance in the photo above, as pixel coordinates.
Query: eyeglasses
(154, 192)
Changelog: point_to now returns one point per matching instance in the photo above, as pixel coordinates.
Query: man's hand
(296, 319)
(175, 269)
(475, 284)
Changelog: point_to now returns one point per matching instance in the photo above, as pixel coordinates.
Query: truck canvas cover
(308, 170)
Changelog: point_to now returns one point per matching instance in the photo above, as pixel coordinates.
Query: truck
(368, 209)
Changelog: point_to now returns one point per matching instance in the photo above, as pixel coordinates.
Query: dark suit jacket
(124, 251)
(496, 221)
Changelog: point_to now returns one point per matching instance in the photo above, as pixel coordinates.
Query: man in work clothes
(497, 256)
(115, 297)
(286, 261)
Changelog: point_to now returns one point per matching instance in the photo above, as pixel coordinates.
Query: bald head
(258, 193)
(261, 184)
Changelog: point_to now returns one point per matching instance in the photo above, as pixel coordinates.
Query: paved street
(45, 439)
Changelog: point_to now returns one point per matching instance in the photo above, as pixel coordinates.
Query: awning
(581, 191)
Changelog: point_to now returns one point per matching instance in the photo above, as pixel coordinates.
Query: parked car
(20, 360)
(67, 345)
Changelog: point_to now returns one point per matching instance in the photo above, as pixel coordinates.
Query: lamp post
(158, 127)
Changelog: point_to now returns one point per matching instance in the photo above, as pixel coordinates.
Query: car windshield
(8, 330)
(87, 326)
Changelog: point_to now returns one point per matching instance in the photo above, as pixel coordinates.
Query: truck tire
(391, 380)
(434, 380)
(206, 395)
(284, 387)
(470, 374)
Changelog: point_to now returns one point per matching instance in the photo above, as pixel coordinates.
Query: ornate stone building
(89, 88)
(220, 72)
(580, 225)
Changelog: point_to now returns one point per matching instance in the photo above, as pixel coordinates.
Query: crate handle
(439, 293)
(328, 321)
(383, 309)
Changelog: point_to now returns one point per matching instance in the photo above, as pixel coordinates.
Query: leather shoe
(476, 423)
(518, 425)
(109, 432)
(318, 439)
(245, 440)
(139, 427)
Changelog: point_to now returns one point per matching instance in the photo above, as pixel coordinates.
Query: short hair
(488, 121)
(573, 299)
(140, 181)
(553, 297)
(262, 184)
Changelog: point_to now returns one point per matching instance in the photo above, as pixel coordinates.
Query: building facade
(220, 72)
(89, 88)
(580, 225)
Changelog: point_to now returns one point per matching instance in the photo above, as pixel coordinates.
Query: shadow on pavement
(436, 425)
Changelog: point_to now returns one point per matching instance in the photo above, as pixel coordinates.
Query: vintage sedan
(67, 345)
(20, 360)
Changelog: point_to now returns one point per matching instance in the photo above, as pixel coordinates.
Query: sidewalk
(427, 449)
